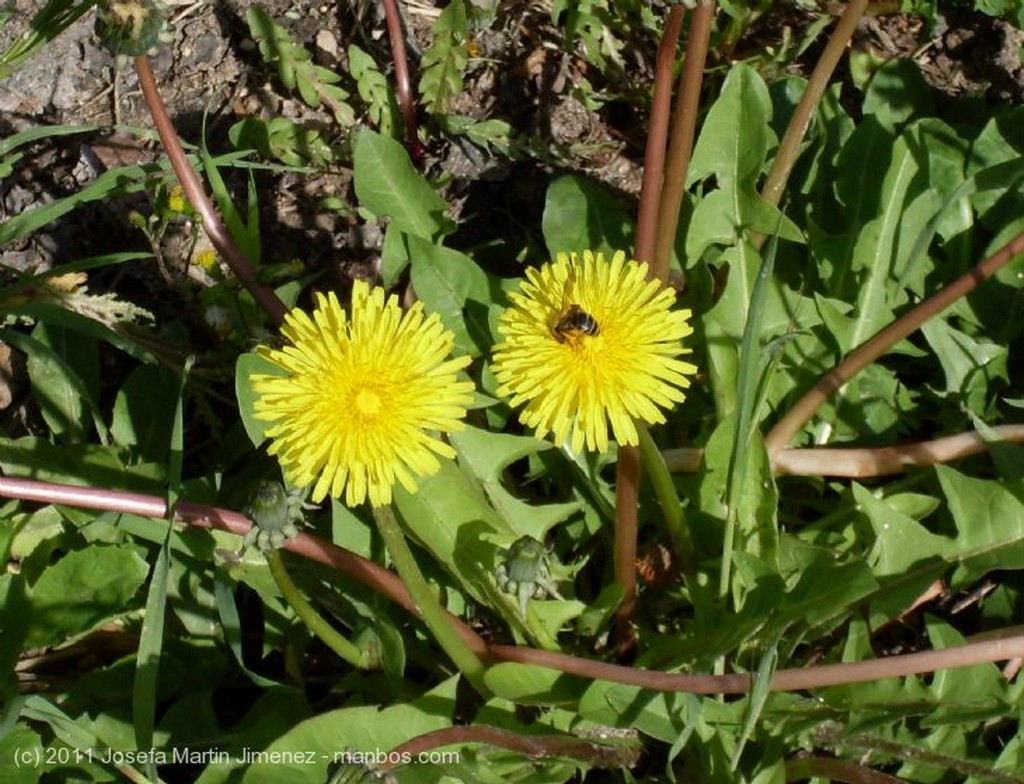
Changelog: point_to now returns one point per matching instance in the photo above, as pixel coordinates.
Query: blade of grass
(668, 498)
(49, 22)
(71, 384)
(760, 688)
(151, 639)
(242, 233)
(147, 661)
(232, 628)
(747, 393)
(115, 182)
(14, 141)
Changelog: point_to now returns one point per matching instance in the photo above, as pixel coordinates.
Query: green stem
(430, 610)
(671, 508)
(309, 616)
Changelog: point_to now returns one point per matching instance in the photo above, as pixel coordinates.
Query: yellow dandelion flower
(591, 343)
(207, 259)
(176, 201)
(361, 395)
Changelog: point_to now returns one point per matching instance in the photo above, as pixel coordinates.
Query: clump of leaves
(445, 60)
(296, 69)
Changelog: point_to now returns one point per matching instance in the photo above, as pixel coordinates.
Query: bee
(575, 321)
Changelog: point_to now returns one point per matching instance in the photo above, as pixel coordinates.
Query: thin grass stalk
(627, 503)
(671, 507)
(864, 462)
(219, 236)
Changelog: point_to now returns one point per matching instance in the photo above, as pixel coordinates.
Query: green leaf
(530, 684)
(884, 244)
(990, 523)
(22, 756)
(964, 694)
(36, 458)
(898, 76)
(726, 321)
(1000, 141)
(317, 741)
(64, 400)
(15, 615)
(736, 134)
(147, 659)
(444, 61)
(756, 700)
(83, 589)
(247, 366)
(453, 286)
(144, 410)
(450, 517)
(290, 142)
(388, 185)
(374, 90)
(900, 541)
(581, 215)
(495, 136)
(665, 716)
(296, 69)
(487, 455)
(55, 315)
(970, 366)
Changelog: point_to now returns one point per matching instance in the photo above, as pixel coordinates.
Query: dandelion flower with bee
(361, 395)
(591, 343)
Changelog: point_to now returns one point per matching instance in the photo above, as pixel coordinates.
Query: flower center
(368, 402)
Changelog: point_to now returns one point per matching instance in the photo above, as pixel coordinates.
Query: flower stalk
(428, 607)
(671, 508)
(308, 614)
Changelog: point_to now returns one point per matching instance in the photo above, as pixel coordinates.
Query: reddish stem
(627, 469)
(219, 236)
(860, 462)
(999, 646)
(358, 568)
(868, 352)
(657, 137)
(836, 770)
(684, 129)
(403, 82)
(798, 679)
(597, 754)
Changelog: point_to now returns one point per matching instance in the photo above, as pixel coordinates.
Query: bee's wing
(569, 287)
